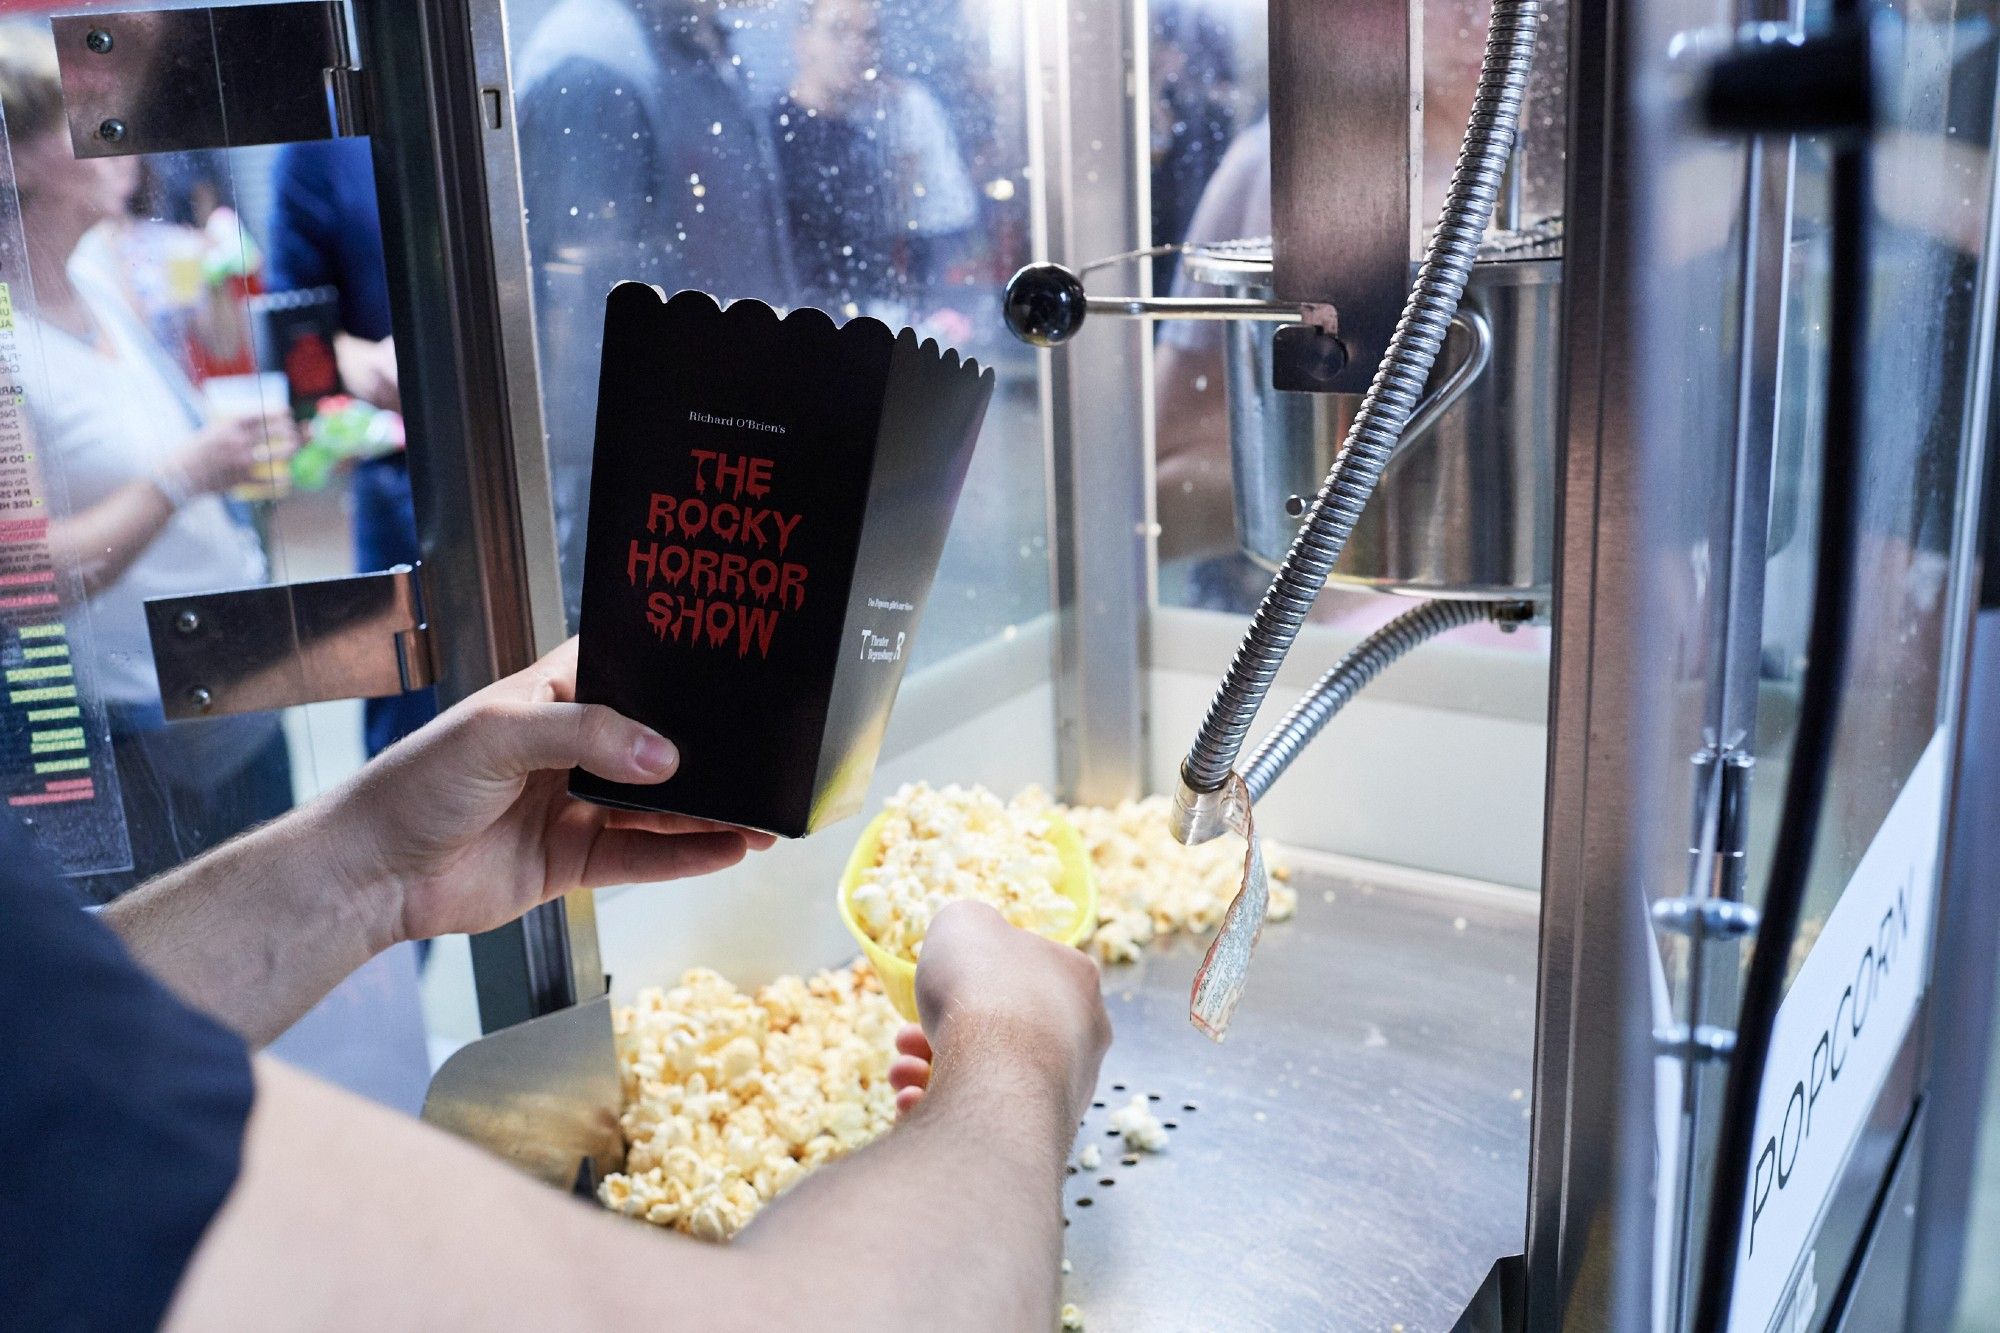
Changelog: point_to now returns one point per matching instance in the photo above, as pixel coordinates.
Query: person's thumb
(523, 738)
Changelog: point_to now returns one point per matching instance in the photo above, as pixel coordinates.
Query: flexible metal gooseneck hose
(1352, 673)
(1476, 187)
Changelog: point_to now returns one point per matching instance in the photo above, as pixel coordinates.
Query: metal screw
(1295, 505)
(201, 699)
(187, 622)
(112, 130)
(98, 40)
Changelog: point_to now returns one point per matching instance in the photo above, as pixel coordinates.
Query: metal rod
(1194, 307)
(1432, 409)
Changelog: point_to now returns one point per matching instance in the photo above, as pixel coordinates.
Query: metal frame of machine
(1613, 1219)
(441, 108)
(440, 104)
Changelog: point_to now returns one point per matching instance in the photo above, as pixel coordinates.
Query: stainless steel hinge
(1694, 1044)
(363, 636)
(1709, 918)
(1720, 839)
(169, 80)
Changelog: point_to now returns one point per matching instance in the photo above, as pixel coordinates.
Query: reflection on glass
(139, 334)
(867, 158)
(1931, 193)
(325, 240)
(1204, 91)
(1221, 45)
(875, 188)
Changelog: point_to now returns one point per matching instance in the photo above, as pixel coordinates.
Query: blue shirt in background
(326, 231)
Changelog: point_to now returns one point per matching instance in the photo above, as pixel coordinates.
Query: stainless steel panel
(1347, 87)
(170, 80)
(543, 1094)
(1848, 1221)
(478, 461)
(291, 643)
(1356, 1153)
(1878, 1297)
(1961, 1008)
(1960, 1029)
(1590, 1220)
(1087, 60)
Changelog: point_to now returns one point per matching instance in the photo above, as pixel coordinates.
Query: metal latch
(359, 637)
(169, 80)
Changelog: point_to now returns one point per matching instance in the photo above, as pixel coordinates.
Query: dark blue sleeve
(121, 1114)
(326, 230)
(305, 222)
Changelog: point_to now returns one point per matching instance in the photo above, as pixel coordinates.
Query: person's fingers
(661, 821)
(552, 678)
(627, 856)
(907, 1098)
(910, 1040)
(558, 670)
(517, 738)
(907, 1071)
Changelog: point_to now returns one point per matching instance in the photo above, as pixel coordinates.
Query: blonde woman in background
(139, 472)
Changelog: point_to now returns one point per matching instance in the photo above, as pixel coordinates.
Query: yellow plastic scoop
(899, 975)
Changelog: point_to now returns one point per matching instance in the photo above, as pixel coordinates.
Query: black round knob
(1044, 304)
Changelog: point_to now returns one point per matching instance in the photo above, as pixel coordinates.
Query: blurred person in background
(1197, 543)
(140, 472)
(326, 231)
(1193, 68)
(180, 257)
(876, 190)
(643, 159)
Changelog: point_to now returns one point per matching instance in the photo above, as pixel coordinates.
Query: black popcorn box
(768, 502)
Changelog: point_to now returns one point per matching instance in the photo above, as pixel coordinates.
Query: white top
(103, 417)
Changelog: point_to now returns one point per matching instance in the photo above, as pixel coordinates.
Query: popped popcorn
(1072, 1318)
(1136, 1123)
(731, 1098)
(1148, 884)
(961, 842)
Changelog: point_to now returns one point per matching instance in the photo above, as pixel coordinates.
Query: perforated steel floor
(1354, 1157)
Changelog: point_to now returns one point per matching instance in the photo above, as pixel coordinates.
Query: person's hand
(468, 823)
(368, 370)
(227, 452)
(988, 990)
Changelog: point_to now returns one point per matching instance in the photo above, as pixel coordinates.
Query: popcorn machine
(1529, 331)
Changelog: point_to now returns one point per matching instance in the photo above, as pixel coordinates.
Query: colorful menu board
(56, 769)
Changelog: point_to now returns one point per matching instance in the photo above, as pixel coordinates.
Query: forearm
(951, 1221)
(101, 542)
(259, 930)
(966, 1191)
